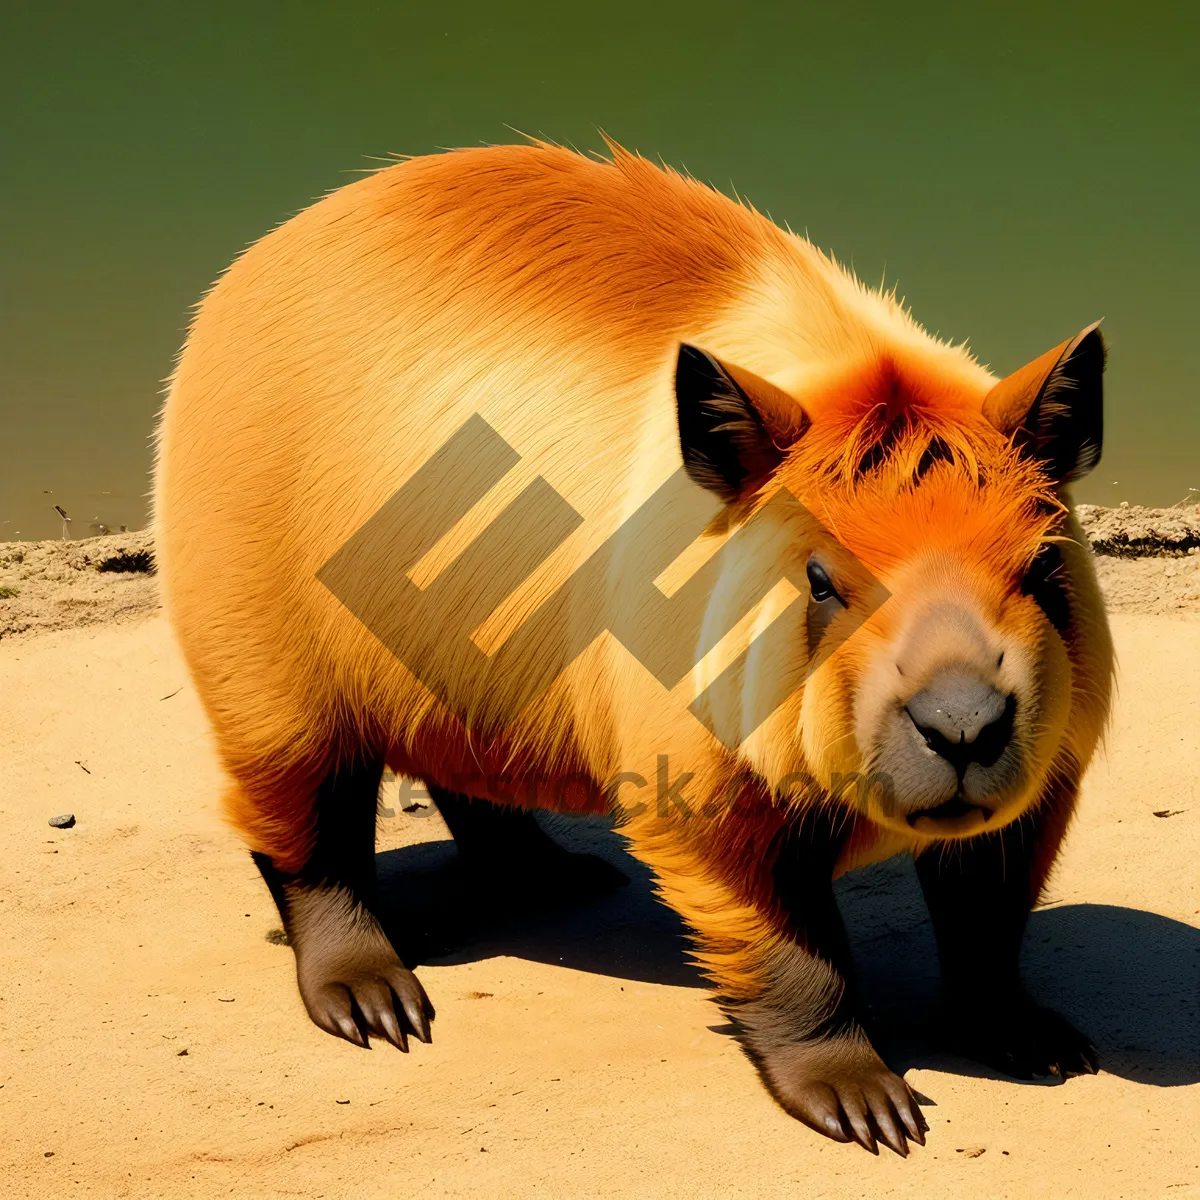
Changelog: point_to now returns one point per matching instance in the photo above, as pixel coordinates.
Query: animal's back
(526, 283)
(408, 297)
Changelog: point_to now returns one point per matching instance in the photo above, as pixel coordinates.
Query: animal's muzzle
(965, 721)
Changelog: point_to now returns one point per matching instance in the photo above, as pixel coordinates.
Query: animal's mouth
(956, 815)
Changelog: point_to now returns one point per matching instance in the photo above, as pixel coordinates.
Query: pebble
(63, 822)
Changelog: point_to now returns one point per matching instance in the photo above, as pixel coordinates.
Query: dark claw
(1028, 1042)
(390, 1027)
(419, 1021)
(408, 990)
(348, 1028)
(864, 1137)
(416, 1006)
(916, 1128)
(856, 1114)
(885, 1124)
(918, 1134)
(905, 1107)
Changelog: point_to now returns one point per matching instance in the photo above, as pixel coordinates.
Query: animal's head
(954, 653)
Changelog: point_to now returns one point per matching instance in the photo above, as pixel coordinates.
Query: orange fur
(550, 292)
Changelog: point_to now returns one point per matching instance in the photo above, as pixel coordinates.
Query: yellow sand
(140, 934)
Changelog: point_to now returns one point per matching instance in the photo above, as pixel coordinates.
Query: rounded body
(420, 499)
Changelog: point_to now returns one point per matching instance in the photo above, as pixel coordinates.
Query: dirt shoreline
(1148, 561)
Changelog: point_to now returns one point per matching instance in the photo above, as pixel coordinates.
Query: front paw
(351, 980)
(1023, 1040)
(840, 1087)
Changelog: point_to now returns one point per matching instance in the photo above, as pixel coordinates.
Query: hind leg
(351, 979)
(507, 853)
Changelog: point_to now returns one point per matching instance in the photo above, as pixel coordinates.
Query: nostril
(963, 719)
(995, 736)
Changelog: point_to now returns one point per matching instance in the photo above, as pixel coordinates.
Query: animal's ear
(733, 425)
(1054, 406)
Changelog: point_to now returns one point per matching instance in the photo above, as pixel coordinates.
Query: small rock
(277, 937)
(63, 822)
(181, 1054)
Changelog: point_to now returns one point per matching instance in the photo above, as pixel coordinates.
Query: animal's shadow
(1129, 979)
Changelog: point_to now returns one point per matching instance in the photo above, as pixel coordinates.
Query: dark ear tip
(694, 359)
(1091, 343)
(698, 374)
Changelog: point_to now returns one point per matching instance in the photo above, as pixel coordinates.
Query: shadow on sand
(1129, 979)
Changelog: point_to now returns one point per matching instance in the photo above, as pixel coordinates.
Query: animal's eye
(1045, 581)
(820, 585)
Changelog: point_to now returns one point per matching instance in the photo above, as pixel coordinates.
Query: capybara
(567, 482)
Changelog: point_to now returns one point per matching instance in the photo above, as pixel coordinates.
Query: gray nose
(963, 719)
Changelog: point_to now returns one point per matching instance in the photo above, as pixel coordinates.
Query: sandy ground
(152, 1042)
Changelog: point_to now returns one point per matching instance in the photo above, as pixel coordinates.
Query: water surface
(1017, 171)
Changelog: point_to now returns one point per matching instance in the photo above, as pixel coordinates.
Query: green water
(1018, 170)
